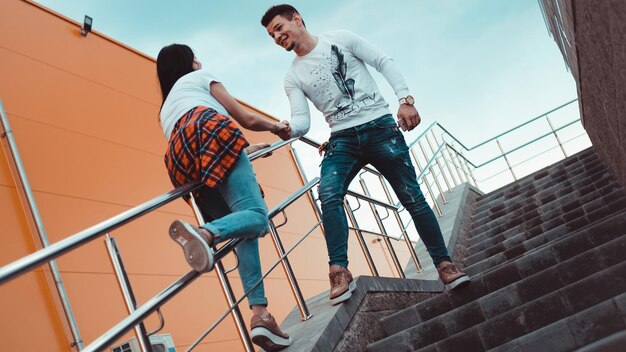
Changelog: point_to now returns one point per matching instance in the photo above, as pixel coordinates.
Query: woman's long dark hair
(173, 62)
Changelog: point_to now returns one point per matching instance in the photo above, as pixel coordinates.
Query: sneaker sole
(197, 252)
(269, 341)
(458, 283)
(345, 295)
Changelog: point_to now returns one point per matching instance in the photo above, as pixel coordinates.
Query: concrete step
(600, 218)
(523, 320)
(544, 218)
(524, 241)
(514, 284)
(600, 328)
(540, 176)
(509, 215)
(572, 203)
(495, 210)
(546, 189)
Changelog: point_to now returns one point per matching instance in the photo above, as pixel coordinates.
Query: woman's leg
(236, 209)
(246, 218)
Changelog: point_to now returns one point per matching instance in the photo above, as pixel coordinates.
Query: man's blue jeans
(237, 210)
(380, 143)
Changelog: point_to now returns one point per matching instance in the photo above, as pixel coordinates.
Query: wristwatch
(408, 100)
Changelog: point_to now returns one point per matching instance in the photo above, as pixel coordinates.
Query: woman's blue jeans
(380, 143)
(237, 210)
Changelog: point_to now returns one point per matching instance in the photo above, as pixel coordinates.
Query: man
(330, 71)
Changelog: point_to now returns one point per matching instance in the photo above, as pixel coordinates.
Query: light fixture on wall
(86, 26)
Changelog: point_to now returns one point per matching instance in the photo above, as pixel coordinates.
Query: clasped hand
(283, 130)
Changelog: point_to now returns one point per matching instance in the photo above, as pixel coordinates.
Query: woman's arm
(245, 118)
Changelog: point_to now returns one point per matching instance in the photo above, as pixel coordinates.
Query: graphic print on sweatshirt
(335, 85)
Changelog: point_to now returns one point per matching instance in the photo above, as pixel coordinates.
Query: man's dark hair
(284, 10)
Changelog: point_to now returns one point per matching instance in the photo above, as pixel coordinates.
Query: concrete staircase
(548, 263)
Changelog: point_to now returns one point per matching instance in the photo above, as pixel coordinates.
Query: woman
(205, 145)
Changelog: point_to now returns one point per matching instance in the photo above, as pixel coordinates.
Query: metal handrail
(274, 212)
(423, 134)
(44, 255)
(43, 237)
(33, 260)
(136, 316)
(514, 149)
(157, 301)
(47, 254)
(508, 131)
(432, 125)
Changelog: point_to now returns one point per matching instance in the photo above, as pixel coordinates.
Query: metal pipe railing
(136, 317)
(127, 292)
(33, 260)
(404, 234)
(516, 148)
(227, 289)
(359, 236)
(506, 132)
(35, 216)
(381, 226)
(463, 162)
(153, 304)
(293, 283)
(72, 242)
(221, 318)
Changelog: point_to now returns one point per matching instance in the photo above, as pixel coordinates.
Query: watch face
(410, 100)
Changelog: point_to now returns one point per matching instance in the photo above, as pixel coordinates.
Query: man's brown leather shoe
(341, 284)
(451, 276)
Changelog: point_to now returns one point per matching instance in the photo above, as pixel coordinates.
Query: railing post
(469, 171)
(359, 236)
(506, 160)
(455, 160)
(430, 168)
(430, 191)
(472, 175)
(227, 290)
(293, 283)
(416, 261)
(381, 226)
(463, 166)
(445, 161)
(127, 291)
(556, 136)
(35, 217)
(443, 174)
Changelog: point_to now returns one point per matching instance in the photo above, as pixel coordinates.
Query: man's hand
(284, 132)
(408, 117)
(256, 147)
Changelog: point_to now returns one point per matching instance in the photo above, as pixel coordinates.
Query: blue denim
(380, 143)
(239, 211)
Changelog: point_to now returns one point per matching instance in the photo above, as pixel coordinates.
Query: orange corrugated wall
(84, 115)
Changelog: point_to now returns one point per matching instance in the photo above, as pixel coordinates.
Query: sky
(478, 67)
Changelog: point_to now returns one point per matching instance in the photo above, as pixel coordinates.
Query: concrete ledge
(351, 325)
(323, 331)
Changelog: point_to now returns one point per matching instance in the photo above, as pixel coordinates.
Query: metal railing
(447, 163)
(442, 161)
(34, 216)
(136, 315)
